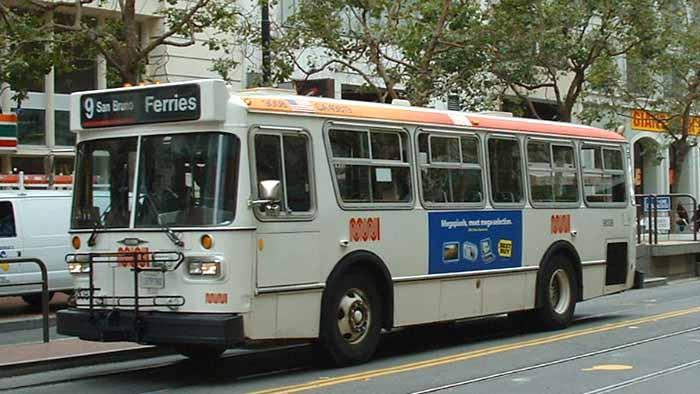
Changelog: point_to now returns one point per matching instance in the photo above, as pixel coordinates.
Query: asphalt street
(641, 341)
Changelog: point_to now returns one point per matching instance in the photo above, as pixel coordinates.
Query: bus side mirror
(271, 190)
(270, 196)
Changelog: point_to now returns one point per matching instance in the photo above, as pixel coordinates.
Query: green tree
(394, 45)
(662, 78)
(117, 39)
(555, 45)
(26, 54)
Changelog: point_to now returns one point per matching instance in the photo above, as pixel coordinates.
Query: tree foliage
(119, 40)
(553, 46)
(26, 49)
(662, 78)
(396, 46)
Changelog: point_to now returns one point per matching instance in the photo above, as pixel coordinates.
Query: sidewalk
(59, 349)
(17, 318)
(27, 358)
(16, 315)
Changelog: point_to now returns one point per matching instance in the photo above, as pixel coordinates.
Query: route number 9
(89, 107)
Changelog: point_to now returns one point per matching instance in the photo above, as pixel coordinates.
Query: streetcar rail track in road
(387, 371)
(560, 361)
(645, 378)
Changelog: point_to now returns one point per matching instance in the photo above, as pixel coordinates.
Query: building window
(29, 165)
(288, 8)
(63, 134)
(31, 126)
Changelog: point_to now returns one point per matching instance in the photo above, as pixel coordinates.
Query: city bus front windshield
(182, 180)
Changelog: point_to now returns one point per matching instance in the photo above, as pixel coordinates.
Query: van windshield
(182, 180)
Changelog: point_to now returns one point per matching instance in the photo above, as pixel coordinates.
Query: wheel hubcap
(354, 316)
(559, 291)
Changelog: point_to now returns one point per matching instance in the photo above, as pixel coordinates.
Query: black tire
(200, 352)
(352, 295)
(34, 300)
(557, 293)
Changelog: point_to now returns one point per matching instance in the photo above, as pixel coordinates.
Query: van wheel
(351, 320)
(200, 352)
(557, 291)
(34, 300)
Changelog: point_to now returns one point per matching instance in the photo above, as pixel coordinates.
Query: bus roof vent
(401, 102)
(498, 113)
(270, 91)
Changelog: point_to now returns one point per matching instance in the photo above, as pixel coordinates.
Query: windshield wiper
(97, 225)
(168, 231)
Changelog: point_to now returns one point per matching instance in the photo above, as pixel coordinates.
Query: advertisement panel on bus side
(474, 240)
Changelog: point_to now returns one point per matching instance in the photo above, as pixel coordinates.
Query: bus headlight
(202, 267)
(78, 268)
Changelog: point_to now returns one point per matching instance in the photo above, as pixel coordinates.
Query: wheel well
(567, 250)
(369, 264)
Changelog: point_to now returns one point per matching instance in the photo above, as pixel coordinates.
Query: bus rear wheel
(557, 292)
(351, 321)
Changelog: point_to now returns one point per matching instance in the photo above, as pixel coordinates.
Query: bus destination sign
(140, 106)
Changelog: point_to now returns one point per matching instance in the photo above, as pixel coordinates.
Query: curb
(80, 360)
(29, 323)
(655, 282)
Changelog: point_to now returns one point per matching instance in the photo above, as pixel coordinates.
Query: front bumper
(151, 327)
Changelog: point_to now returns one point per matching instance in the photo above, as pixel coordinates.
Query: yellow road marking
(326, 382)
(608, 367)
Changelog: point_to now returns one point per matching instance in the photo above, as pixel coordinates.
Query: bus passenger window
(285, 158)
(371, 166)
(552, 172)
(603, 174)
(450, 169)
(505, 170)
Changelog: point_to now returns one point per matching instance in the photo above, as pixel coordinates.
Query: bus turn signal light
(76, 242)
(207, 241)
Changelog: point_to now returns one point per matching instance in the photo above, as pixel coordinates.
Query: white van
(34, 223)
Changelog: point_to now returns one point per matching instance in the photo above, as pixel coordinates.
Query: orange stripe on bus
(8, 118)
(350, 109)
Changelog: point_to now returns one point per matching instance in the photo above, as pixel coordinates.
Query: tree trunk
(680, 149)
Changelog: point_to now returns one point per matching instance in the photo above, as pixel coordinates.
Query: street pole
(266, 67)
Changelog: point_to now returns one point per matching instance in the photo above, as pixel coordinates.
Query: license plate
(151, 280)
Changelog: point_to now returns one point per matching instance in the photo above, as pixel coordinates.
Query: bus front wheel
(351, 320)
(557, 292)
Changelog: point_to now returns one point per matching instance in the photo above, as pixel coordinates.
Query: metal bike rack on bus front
(137, 262)
(44, 289)
(653, 215)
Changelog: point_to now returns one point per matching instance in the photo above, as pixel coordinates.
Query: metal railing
(44, 289)
(649, 208)
(137, 262)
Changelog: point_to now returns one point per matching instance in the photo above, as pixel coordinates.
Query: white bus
(225, 218)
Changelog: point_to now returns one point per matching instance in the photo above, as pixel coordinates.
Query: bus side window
(450, 169)
(603, 174)
(505, 170)
(371, 166)
(285, 157)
